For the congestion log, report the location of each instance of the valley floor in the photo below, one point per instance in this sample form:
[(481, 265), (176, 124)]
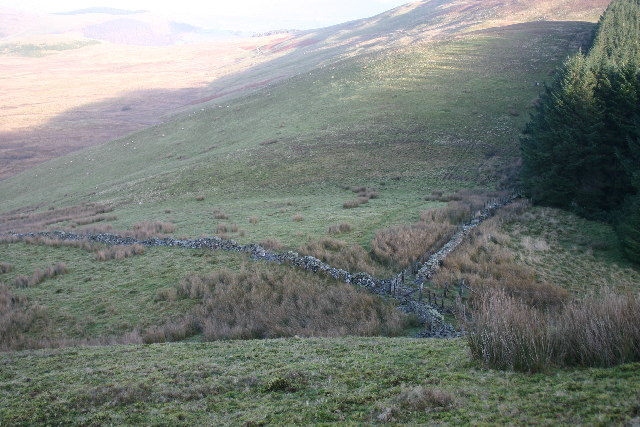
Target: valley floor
[(301, 381)]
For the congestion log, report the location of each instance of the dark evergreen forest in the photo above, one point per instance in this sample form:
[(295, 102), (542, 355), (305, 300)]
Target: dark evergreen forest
[(581, 150)]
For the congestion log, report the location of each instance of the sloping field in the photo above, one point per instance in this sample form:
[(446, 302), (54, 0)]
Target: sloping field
[(421, 101), (67, 99), (431, 116), (279, 164), (302, 381), (60, 98)]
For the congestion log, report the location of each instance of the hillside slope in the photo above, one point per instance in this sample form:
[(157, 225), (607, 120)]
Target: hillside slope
[(295, 381), (421, 101), (409, 113), (95, 92), (44, 117)]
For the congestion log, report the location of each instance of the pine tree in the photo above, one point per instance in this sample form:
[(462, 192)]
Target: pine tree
[(572, 150), (564, 124), (581, 150), (628, 225), (628, 228)]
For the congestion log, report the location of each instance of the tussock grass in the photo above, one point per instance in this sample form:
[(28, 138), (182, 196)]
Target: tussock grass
[(271, 244), (55, 243), (350, 204), (5, 267), (264, 302), (365, 192), (364, 195), (172, 331), (297, 217), (423, 398), (340, 254), (254, 220), (435, 196), (102, 253), (119, 252), (506, 333), (9, 239), (93, 220), (403, 245), (219, 214), (17, 319), (36, 221), (602, 330), (40, 275), (340, 228), (105, 228), (485, 260), (148, 229), (103, 302), (415, 399)]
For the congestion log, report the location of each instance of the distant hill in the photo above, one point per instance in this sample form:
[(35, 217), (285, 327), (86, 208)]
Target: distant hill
[(105, 10), (379, 84), (260, 63), (118, 26), (131, 32), (136, 32)]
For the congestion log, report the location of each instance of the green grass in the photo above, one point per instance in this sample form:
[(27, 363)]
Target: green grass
[(108, 298), (429, 116), (113, 298), (432, 116), (580, 255), (299, 381)]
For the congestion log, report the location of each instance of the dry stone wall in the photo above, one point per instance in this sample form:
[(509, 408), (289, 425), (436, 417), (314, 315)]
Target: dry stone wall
[(395, 287)]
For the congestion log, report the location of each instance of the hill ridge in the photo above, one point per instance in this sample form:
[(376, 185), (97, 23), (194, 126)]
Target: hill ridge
[(105, 10)]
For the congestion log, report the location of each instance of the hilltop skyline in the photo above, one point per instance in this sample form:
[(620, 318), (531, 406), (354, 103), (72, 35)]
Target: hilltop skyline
[(245, 15)]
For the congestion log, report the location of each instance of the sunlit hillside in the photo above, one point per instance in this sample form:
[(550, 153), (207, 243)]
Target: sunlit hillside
[(438, 110), (243, 229)]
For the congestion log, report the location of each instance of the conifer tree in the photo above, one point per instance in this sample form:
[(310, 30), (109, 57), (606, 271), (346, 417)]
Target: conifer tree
[(566, 122), (628, 226), (581, 150), (572, 148)]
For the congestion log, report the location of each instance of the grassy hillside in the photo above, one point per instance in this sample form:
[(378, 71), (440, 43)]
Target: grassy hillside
[(295, 381), (422, 101), (432, 116), (120, 89), (94, 93), (417, 111)]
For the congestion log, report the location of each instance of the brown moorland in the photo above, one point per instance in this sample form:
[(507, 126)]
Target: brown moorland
[(70, 99), (76, 98)]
